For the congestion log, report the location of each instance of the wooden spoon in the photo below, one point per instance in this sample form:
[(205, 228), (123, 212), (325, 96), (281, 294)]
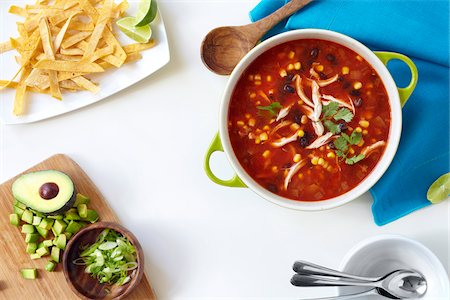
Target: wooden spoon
[(223, 47)]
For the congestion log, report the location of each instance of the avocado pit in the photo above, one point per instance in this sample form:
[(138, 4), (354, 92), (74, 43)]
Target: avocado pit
[(48, 190)]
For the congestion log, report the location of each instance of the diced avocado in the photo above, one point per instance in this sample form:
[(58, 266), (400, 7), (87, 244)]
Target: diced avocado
[(68, 235), (43, 232), (27, 228), (19, 204), (55, 254), (56, 217), (35, 256), (37, 220), (19, 211), (31, 248), (83, 223), (49, 192), (36, 213), (92, 216), (61, 241), (82, 210), (47, 243), (50, 266), (46, 223), (81, 199), (27, 216), (28, 273), (31, 237), (42, 251), (72, 215), (73, 227), (14, 219), (59, 226)]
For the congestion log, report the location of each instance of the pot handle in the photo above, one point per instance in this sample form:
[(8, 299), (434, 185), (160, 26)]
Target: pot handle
[(405, 92), (216, 145)]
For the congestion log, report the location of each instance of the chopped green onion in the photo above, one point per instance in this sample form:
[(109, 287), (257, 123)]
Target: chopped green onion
[(109, 259)]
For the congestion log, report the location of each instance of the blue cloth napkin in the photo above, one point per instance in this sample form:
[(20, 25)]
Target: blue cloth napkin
[(420, 30)]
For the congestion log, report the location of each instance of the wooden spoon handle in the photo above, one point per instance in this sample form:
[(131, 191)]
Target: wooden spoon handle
[(274, 18)]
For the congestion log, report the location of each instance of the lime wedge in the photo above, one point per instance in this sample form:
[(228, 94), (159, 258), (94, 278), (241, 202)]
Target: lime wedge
[(147, 10), (440, 189), (139, 34)]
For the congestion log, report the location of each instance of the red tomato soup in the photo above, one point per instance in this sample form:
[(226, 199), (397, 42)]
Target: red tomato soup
[(309, 119)]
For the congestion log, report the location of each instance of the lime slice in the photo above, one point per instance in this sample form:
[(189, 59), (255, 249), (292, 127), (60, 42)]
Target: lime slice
[(146, 12), (440, 189), (139, 34)]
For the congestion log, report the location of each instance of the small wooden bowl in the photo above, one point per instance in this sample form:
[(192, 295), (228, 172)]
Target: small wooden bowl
[(81, 283)]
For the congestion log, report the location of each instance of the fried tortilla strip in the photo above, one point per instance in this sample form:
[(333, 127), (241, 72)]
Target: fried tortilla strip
[(101, 53), (86, 84), (21, 89), (138, 47), (75, 25), (71, 51), (22, 31), (5, 47), (64, 15), (76, 38), (70, 85), (68, 66), (14, 84), (86, 5), (69, 57), (49, 53), (49, 10), (38, 78), (31, 23), (130, 58), (59, 38), (120, 9), (105, 15), (108, 36), (16, 10), (119, 53)]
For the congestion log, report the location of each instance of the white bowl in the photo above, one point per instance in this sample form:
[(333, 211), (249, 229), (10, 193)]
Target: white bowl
[(379, 255), (395, 100)]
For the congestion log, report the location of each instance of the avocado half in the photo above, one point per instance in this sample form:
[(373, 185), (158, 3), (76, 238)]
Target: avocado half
[(49, 192)]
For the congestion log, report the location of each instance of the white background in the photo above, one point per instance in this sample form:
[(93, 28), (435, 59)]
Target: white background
[(144, 149)]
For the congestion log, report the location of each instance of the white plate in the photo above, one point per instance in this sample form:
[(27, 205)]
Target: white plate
[(41, 106)]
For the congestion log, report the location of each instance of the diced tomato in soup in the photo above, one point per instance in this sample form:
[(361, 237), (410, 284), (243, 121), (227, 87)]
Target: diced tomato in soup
[(309, 119)]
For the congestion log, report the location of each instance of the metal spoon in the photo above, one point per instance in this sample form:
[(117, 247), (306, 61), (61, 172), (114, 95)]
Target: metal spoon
[(372, 292), (223, 47), (400, 283)]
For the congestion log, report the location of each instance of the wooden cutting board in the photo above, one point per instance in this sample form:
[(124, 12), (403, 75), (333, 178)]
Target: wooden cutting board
[(48, 285)]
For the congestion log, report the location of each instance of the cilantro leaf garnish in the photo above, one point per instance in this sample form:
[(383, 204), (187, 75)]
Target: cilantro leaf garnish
[(332, 127), (343, 114), (355, 138), (330, 109), (273, 108), (341, 144), (354, 159)]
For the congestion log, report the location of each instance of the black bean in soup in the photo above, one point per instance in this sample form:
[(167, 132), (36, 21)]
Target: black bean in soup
[(272, 187), (304, 141), (342, 127), (355, 93), (314, 52), (331, 58), (297, 116), (288, 88), (322, 75)]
